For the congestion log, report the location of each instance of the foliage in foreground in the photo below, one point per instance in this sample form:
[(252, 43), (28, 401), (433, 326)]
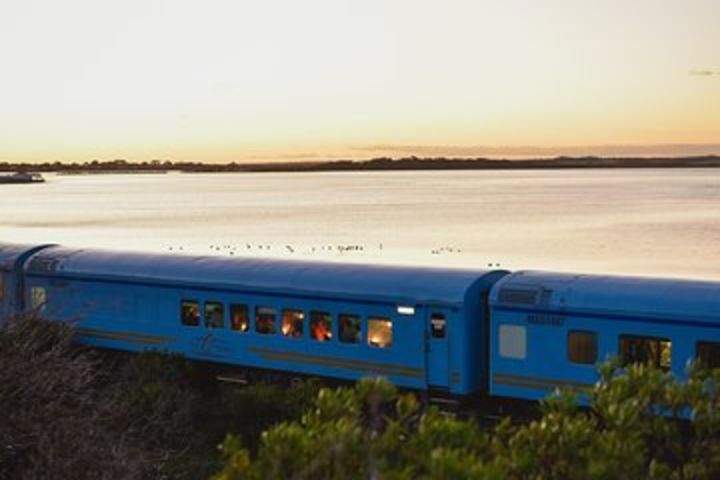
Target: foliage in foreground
[(72, 412), (630, 431)]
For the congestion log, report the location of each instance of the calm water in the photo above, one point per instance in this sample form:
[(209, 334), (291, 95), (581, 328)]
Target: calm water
[(650, 222)]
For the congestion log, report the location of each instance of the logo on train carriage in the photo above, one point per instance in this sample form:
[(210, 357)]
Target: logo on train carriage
[(211, 345)]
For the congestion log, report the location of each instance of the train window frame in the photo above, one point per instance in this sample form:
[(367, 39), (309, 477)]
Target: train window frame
[(582, 358), (289, 319), (214, 324), (665, 365), (260, 323), (357, 319), (317, 316), (374, 338), (512, 341), (185, 318), (233, 324), (438, 325), (712, 347)]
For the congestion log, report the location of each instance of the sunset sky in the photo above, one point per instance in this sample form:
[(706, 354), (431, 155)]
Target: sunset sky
[(250, 80)]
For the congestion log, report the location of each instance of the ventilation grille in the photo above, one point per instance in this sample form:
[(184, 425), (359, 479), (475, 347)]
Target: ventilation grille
[(519, 296)]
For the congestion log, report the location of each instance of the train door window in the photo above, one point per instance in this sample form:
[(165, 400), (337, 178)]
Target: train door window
[(513, 341), (239, 320), (214, 315), (265, 320), (438, 325), (708, 353), (321, 326), (582, 347), (190, 312), (380, 332), (646, 350), (293, 323), (350, 328), (38, 298)]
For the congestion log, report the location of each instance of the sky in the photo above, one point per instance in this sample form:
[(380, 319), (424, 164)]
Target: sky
[(251, 80)]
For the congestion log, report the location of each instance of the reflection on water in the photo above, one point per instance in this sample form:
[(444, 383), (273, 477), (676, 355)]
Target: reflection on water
[(654, 222)]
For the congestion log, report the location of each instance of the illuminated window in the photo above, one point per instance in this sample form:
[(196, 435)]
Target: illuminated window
[(214, 315), (513, 341), (438, 325), (708, 353), (350, 328), (582, 347), (321, 326), (38, 298), (265, 320), (239, 319), (293, 323), (380, 332), (190, 312), (646, 350)]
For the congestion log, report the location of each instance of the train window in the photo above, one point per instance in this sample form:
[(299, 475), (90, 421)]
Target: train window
[(190, 312), (239, 320), (513, 341), (2, 286), (380, 332), (265, 320), (214, 315), (293, 323), (38, 298), (708, 353), (646, 350), (350, 328), (438, 325), (321, 326), (582, 347)]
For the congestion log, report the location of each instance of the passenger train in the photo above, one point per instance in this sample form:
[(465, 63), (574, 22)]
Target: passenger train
[(453, 332)]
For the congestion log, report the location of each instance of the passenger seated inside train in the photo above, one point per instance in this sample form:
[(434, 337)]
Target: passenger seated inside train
[(214, 315), (239, 319), (292, 323), (265, 320), (320, 326)]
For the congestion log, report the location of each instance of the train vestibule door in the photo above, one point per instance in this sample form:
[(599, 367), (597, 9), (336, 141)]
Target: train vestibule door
[(437, 347)]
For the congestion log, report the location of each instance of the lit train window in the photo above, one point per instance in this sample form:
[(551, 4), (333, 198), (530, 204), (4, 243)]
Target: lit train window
[(190, 312), (513, 341), (214, 315), (582, 347), (321, 326), (265, 320), (438, 325), (293, 323), (239, 319), (350, 328), (380, 332), (708, 353), (646, 350)]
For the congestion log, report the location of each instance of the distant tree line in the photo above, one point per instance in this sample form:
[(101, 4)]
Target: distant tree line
[(383, 163)]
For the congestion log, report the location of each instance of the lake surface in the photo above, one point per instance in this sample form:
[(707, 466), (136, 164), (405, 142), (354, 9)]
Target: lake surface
[(645, 222)]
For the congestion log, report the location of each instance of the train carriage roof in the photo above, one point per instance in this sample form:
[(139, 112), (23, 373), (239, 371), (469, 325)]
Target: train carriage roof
[(10, 253), (319, 279), (610, 295)]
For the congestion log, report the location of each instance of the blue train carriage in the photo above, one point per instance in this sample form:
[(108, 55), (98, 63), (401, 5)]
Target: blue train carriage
[(419, 327), (12, 257), (550, 330)]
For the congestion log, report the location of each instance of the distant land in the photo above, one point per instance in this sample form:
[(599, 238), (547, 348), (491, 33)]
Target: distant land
[(375, 164)]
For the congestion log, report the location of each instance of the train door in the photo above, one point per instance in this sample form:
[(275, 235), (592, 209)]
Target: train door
[(437, 347)]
